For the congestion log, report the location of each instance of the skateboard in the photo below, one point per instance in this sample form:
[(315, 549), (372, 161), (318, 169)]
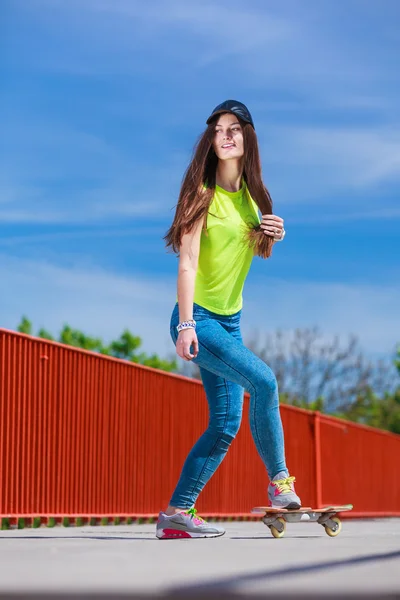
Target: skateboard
[(276, 518)]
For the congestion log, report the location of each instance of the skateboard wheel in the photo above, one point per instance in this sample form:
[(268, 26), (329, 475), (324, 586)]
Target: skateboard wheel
[(274, 530), (334, 532)]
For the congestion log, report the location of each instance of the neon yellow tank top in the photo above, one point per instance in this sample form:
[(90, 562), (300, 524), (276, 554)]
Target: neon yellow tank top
[(225, 256)]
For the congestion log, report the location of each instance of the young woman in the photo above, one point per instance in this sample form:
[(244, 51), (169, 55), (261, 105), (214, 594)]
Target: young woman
[(217, 231)]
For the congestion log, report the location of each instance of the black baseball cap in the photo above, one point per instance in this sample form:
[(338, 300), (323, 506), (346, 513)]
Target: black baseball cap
[(234, 107)]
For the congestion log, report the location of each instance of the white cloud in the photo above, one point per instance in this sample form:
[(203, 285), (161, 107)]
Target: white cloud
[(52, 173), (363, 156), (379, 214), (294, 50), (96, 206), (103, 303), (219, 23), (81, 211), (76, 234), (368, 311), (98, 302), (109, 35), (48, 149), (326, 160), (279, 44)]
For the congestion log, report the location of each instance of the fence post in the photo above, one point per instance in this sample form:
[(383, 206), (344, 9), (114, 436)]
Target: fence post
[(317, 455)]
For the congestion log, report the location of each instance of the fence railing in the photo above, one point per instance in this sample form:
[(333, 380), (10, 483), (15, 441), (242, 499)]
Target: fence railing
[(83, 435)]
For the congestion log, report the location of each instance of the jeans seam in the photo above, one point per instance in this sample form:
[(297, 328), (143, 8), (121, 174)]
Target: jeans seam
[(215, 445), (225, 363), (254, 391), (256, 430)]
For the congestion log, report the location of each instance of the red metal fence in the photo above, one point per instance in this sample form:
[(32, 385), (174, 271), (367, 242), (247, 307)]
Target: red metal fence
[(84, 434)]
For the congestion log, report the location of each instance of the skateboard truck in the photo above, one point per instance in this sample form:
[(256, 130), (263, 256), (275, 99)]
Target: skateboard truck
[(326, 521)]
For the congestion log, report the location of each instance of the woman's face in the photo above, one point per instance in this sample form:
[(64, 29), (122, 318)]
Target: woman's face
[(228, 138)]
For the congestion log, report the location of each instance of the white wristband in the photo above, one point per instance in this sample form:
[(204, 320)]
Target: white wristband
[(191, 324)]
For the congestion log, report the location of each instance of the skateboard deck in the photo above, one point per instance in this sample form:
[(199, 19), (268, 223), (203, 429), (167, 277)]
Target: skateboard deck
[(276, 518)]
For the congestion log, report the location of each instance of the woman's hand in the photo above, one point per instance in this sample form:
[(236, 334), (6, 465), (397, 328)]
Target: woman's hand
[(187, 338), (273, 226)]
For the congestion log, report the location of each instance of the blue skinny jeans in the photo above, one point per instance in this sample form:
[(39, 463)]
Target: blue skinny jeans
[(228, 368)]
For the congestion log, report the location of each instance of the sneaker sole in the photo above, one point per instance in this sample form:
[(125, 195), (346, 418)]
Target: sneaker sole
[(177, 534), (291, 506)]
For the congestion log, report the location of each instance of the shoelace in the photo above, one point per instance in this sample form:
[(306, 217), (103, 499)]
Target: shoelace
[(285, 485), (193, 513)]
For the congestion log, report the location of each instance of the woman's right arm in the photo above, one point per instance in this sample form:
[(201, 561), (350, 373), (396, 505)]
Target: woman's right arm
[(188, 262)]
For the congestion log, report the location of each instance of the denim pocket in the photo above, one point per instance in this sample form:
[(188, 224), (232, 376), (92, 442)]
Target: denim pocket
[(200, 313)]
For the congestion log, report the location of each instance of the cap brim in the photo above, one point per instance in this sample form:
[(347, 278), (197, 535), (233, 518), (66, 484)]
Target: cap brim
[(218, 112)]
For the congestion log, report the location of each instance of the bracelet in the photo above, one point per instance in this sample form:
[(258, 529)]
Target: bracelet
[(191, 324)]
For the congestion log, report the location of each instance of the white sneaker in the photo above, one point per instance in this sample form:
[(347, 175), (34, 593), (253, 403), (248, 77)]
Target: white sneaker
[(185, 524), (281, 492)]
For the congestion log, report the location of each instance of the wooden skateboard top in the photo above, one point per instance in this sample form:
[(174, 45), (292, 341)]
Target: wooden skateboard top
[(304, 509)]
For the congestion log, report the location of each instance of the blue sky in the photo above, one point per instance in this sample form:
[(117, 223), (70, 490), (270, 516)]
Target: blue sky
[(101, 104)]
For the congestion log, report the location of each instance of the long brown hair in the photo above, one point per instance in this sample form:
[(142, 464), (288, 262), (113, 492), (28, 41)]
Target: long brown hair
[(195, 199)]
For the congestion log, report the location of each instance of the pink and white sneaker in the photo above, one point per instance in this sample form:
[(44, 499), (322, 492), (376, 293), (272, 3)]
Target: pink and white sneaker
[(281, 492), (185, 524)]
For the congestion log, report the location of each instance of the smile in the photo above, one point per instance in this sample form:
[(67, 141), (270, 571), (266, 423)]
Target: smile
[(228, 146)]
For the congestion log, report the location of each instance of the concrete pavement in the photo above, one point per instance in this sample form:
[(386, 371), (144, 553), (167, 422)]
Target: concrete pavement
[(118, 561)]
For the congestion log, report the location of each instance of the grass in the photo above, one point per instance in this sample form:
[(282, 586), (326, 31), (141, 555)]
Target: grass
[(78, 521)]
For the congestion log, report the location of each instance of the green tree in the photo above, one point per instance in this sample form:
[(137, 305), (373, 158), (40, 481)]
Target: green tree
[(383, 413), (397, 360), (25, 326), (42, 333), (126, 347), (391, 412), (378, 411), (75, 337)]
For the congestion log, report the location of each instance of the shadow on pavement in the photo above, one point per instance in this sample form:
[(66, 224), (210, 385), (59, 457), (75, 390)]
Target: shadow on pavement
[(263, 538), (227, 584), (77, 537), (205, 596), (224, 588)]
